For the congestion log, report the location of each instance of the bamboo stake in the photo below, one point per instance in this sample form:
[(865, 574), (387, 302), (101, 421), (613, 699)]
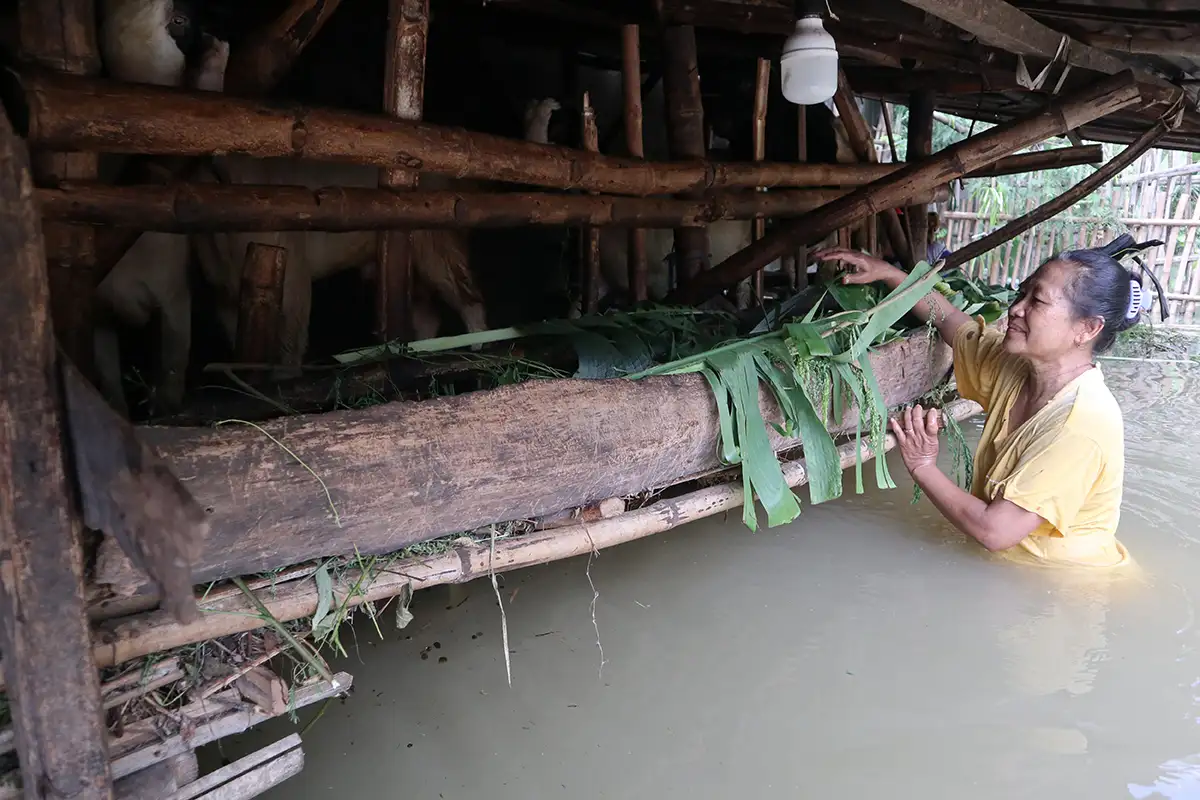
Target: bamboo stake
[(1189, 243), (217, 207), (591, 234), (864, 147), (801, 282), (631, 78), (1104, 97), (685, 134), (467, 561), (1169, 237), (762, 81), (403, 98), (88, 114), (1064, 201)]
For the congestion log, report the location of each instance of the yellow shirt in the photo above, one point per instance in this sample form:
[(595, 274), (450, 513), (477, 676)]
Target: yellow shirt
[(1066, 463)]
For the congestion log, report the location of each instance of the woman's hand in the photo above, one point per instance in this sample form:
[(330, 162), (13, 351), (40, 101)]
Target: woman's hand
[(916, 431), (863, 268)]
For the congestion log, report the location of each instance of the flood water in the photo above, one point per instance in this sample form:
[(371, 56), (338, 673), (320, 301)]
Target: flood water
[(867, 650)]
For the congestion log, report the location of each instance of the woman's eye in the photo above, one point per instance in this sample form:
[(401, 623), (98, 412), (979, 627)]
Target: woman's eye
[(178, 20)]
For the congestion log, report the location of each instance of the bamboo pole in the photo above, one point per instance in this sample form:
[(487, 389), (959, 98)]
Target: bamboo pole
[(591, 234), (152, 633), (1188, 47), (685, 135), (403, 98), (920, 145), (762, 82), (863, 144), (217, 207), (54, 689), (1104, 97), (1064, 201), (89, 114), (260, 303), (61, 35), (631, 79)]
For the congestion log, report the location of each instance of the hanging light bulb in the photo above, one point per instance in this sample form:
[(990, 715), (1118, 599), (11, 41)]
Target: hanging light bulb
[(809, 63)]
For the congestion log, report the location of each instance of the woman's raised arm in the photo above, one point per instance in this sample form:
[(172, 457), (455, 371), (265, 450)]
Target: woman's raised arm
[(868, 269)]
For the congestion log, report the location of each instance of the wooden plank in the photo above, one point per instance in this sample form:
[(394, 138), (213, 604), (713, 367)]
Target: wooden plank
[(217, 777), (53, 686), (130, 493), (258, 780), (260, 304)]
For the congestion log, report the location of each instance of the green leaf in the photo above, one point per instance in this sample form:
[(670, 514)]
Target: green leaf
[(898, 303)]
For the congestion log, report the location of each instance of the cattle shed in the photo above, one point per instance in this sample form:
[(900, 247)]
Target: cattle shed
[(259, 515)]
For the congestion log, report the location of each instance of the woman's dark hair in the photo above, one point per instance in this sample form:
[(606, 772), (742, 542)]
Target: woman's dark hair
[(1103, 287)]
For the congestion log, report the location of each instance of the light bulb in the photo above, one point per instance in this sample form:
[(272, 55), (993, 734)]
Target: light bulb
[(809, 64)]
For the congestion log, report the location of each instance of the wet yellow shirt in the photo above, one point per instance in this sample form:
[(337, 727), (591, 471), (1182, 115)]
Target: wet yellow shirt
[(1066, 463)]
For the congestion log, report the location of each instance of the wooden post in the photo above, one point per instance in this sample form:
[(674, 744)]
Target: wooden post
[(403, 98), (762, 81), (591, 235), (631, 79), (920, 145), (1102, 98), (53, 685), (1058, 204), (863, 144), (685, 134), (61, 35), (260, 304), (801, 280)]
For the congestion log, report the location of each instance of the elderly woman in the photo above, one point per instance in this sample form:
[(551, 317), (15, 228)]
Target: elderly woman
[(1050, 463)]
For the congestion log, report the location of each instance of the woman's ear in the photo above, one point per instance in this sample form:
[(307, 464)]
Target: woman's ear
[(1088, 329)]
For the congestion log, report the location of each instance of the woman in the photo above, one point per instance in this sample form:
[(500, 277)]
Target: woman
[(1050, 463)]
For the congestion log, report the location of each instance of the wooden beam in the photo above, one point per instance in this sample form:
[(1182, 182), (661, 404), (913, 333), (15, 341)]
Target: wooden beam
[(403, 98), (685, 135), (53, 686), (920, 145), (1188, 47), (631, 82), (1109, 95), (61, 35), (590, 239), (511, 453), (762, 85), (1057, 204), (88, 114), (190, 208)]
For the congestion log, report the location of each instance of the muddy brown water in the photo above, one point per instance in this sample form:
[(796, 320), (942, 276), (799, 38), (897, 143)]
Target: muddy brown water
[(865, 650)]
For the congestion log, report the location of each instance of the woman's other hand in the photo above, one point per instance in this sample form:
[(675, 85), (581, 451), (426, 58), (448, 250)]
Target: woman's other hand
[(916, 432), (863, 268)]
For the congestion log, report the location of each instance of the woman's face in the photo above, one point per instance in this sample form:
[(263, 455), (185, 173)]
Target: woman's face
[(1042, 324)]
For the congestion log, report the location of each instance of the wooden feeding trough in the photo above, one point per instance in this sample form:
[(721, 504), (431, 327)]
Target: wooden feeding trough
[(178, 520)]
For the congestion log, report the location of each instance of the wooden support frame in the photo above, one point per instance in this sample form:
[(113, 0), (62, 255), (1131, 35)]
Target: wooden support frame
[(53, 686), (403, 98), (260, 304), (762, 83), (1102, 98), (631, 83), (187, 208), (88, 114), (685, 135), (920, 145), (1058, 204)]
